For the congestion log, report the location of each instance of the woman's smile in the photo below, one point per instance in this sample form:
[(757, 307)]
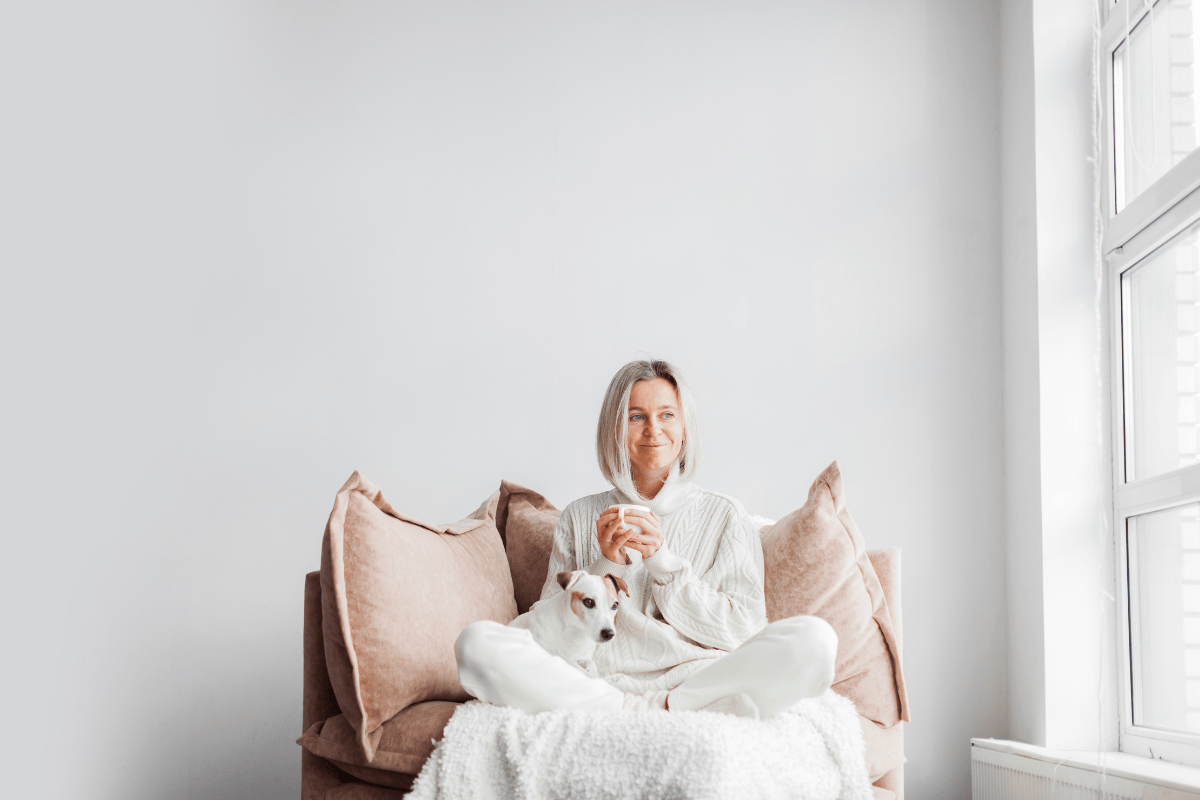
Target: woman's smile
[(656, 433)]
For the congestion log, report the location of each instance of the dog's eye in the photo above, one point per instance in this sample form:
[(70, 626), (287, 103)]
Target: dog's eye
[(589, 602), (614, 608)]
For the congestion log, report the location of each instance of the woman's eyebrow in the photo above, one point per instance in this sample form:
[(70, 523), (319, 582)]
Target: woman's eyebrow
[(639, 408)]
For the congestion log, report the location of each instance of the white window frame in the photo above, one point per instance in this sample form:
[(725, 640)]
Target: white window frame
[(1165, 208)]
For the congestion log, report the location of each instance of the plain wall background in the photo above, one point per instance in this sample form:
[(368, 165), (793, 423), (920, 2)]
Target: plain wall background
[(1061, 584), (251, 247)]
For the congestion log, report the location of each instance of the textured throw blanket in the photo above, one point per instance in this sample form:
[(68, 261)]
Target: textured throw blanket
[(812, 752)]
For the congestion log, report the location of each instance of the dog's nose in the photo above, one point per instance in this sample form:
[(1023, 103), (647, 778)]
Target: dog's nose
[(607, 634)]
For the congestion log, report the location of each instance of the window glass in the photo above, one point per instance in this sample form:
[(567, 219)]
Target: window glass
[(1154, 81), (1161, 355), (1164, 560)]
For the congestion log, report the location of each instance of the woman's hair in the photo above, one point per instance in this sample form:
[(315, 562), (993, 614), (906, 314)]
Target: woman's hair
[(613, 430)]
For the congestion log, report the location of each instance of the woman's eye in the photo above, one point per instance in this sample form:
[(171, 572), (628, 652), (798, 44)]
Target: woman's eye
[(589, 602), (668, 415), (636, 418)]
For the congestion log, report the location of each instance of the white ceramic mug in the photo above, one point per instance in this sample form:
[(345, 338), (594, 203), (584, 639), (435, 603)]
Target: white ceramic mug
[(622, 508)]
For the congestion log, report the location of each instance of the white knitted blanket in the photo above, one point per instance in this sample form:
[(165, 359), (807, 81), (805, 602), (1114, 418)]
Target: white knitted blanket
[(812, 752)]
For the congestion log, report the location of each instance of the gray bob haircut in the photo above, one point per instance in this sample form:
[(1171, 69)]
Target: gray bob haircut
[(613, 430)]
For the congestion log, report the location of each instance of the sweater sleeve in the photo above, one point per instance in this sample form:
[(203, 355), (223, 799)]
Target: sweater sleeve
[(725, 605)]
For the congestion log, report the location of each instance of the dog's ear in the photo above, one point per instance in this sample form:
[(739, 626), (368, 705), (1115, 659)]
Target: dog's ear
[(565, 579), (617, 584)]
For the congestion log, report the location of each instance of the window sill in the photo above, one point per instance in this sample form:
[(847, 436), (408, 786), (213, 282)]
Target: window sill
[(1165, 774)]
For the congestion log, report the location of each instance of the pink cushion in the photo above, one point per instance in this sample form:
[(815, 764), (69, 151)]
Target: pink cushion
[(527, 522), (363, 791), (395, 594), (405, 741), (816, 563), (885, 747)]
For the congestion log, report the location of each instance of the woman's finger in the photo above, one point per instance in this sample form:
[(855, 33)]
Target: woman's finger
[(614, 528), (624, 538), (606, 524), (633, 515), (637, 518), (649, 531)]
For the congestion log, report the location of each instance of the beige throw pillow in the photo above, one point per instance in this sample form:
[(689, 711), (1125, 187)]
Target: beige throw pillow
[(527, 522), (405, 740), (395, 594), (816, 563)]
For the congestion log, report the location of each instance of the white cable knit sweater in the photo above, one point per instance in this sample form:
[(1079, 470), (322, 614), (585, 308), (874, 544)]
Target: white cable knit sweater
[(698, 597)]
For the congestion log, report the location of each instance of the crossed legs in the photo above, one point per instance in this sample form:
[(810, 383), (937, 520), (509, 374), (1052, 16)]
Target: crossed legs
[(785, 662), (505, 666), (779, 666)]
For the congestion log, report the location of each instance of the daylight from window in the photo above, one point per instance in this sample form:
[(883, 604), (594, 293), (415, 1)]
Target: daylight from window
[(1156, 99), (1155, 285)]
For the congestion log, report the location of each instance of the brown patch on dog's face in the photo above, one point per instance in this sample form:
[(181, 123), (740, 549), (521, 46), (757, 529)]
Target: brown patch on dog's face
[(577, 604), (614, 584)]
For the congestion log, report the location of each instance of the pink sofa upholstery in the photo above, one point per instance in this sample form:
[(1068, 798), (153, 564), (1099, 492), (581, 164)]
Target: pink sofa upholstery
[(323, 780)]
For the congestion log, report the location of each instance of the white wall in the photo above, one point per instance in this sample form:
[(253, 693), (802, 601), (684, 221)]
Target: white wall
[(249, 248), (1060, 602), (1022, 396)]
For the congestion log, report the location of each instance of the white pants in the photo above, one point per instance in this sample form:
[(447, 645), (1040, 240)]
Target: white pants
[(785, 662)]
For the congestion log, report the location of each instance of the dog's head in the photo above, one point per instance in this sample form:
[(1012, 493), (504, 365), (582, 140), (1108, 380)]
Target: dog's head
[(594, 600)]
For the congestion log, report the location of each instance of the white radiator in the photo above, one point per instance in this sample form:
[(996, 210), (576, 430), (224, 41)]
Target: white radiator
[(1003, 770)]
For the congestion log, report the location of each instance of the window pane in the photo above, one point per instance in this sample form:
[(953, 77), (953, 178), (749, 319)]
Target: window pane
[(1161, 352), (1155, 96), (1164, 551)]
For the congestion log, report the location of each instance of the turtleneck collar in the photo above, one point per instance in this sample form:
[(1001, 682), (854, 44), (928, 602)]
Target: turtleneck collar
[(669, 498)]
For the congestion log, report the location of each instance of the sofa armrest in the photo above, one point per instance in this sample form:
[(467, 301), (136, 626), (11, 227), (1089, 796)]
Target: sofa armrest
[(317, 776), (319, 701)]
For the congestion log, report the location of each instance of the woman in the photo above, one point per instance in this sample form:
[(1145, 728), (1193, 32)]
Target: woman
[(693, 633)]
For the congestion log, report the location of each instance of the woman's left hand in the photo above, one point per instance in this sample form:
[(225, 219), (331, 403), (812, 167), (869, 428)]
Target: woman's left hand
[(651, 538)]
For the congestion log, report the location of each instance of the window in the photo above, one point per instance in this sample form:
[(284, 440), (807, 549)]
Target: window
[(1150, 78)]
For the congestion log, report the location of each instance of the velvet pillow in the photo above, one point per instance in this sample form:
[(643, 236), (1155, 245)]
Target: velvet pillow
[(405, 742), (816, 563), (527, 522), (395, 594)]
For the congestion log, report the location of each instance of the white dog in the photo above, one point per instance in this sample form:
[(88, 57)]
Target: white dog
[(571, 623)]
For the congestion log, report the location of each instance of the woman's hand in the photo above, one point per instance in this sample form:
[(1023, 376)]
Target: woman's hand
[(615, 537), (650, 539)]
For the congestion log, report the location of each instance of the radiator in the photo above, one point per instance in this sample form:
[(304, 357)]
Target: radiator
[(1013, 771)]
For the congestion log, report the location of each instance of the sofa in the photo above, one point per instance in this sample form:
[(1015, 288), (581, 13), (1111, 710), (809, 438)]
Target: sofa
[(379, 678)]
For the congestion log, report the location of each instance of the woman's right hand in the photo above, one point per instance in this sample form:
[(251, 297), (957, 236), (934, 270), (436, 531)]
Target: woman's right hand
[(612, 536)]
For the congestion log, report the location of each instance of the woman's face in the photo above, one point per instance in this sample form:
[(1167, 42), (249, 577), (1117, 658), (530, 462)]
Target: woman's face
[(655, 427)]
